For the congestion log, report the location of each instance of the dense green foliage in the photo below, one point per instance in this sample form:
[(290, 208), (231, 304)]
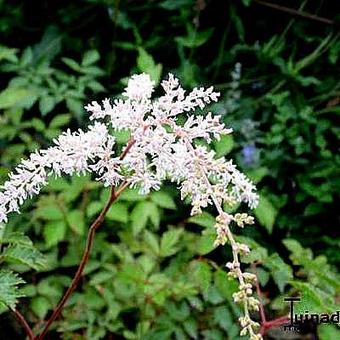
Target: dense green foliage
[(154, 273)]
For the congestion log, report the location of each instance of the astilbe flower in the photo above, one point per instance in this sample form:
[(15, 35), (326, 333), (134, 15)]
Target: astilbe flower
[(160, 148)]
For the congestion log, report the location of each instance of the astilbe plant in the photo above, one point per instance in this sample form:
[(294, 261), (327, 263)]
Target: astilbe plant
[(160, 148)]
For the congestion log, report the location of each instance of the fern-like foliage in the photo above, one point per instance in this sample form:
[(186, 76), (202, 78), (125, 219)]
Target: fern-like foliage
[(9, 291), (16, 248)]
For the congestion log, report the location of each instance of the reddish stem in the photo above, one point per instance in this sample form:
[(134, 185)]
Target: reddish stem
[(266, 325), (24, 324), (89, 242), (262, 312)]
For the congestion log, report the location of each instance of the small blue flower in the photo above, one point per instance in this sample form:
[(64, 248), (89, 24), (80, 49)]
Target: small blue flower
[(249, 153)]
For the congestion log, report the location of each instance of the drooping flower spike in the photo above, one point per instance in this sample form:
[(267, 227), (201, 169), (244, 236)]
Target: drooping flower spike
[(160, 148)]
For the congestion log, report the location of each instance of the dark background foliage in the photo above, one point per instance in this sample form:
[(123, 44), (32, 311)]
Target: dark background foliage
[(278, 73)]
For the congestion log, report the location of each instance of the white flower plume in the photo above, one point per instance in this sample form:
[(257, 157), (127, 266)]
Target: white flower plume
[(162, 147), (160, 150)]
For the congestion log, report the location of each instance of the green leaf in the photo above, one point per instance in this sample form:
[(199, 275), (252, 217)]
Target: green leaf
[(54, 232), (75, 218), (50, 44), (141, 213), (163, 200), (60, 120), (95, 86), (27, 255), (202, 275), (40, 306), (94, 208), (72, 64), (312, 299), (194, 38), (146, 63), (131, 195), (327, 332), (266, 213), (205, 243), (8, 54), (151, 241), (26, 57), (299, 255), (16, 97), (154, 215), (171, 5), (50, 213), (204, 220), (225, 286), (169, 242), (223, 318), (90, 57), (46, 104), (224, 145), (75, 106), (191, 327), (280, 271), (139, 217), (118, 212), (257, 174), (9, 292), (16, 238)]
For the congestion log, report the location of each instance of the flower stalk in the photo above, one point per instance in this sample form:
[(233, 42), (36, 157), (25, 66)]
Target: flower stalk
[(162, 147)]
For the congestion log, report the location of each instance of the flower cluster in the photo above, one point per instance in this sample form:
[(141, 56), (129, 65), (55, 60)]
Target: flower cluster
[(160, 148)]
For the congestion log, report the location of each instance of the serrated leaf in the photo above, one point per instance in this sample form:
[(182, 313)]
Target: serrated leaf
[(163, 200), (60, 120), (194, 38), (151, 241), (16, 238), (224, 145), (154, 215), (72, 64), (76, 221), (26, 57), (146, 63), (131, 195), (54, 232), (225, 286), (95, 86), (191, 327), (118, 212), (15, 96), (257, 174), (90, 57), (139, 217), (46, 104), (266, 213), (328, 332), (312, 299), (202, 275), (8, 54), (205, 243), (280, 271), (75, 106), (141, 213), (50, 213), (299, 254), (50, 44), (9, 291), (94, 208), (169, 242), (204, 220), (40, 306), (27, 255)]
